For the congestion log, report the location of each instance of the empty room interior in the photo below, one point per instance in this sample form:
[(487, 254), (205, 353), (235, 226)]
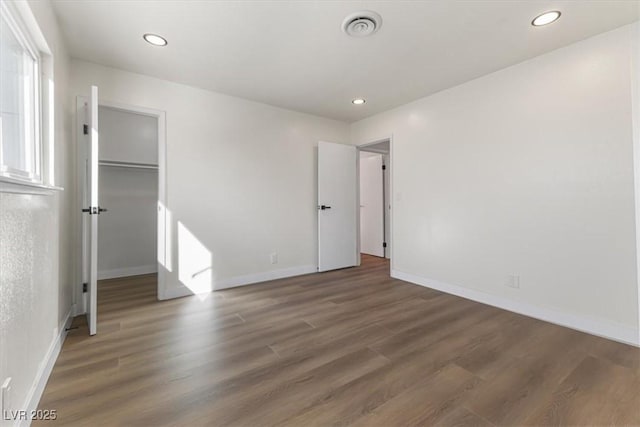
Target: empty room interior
[(319, 213)]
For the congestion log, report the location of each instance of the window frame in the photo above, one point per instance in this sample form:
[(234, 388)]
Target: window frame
[(14, 180)]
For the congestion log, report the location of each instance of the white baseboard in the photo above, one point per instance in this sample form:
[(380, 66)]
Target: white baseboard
[(174, 292), (249, 279), (44, 371), (598, 327), (128, 271)]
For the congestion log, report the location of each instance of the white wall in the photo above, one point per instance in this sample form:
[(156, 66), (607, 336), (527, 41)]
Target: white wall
[(527, 171), (128, 137), (128, 231), (371, 204), (37, 268), (241, 178)]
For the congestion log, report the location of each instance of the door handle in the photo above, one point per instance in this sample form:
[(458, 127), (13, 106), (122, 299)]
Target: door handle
[(323, 207), (94, 211)]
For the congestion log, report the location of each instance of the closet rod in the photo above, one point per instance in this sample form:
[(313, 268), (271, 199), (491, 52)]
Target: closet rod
[(117, 164)]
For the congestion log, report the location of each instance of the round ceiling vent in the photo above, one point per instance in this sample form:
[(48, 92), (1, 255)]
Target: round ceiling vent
[(362, 24)]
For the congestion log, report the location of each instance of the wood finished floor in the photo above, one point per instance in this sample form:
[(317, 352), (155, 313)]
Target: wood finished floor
[(350, 347)]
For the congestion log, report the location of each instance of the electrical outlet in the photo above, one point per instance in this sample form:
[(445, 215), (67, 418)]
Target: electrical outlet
[(274, 258), (6, 396), (513, 281)]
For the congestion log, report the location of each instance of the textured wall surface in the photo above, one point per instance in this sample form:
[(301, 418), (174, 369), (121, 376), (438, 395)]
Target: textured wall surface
[(29, 298), (37, 261)]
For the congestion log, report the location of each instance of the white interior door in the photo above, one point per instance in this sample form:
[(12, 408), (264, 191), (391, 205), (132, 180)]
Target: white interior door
[(91, 210), (371, 204), (337, 206)]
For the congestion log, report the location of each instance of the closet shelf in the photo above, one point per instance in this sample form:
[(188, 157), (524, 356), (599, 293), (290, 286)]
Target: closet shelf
[(118, 164)]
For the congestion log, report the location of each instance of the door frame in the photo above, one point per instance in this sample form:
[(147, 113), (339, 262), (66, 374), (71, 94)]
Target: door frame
[(388, 199), (163, 237)]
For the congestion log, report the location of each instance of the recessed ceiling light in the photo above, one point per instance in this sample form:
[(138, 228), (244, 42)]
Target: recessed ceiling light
[(155, 39), (546, 18), (358, 101)]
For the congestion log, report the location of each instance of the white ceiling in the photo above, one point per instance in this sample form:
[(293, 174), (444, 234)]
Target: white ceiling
[(293, 54)]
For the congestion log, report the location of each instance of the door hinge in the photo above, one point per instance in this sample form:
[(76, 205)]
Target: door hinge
[(384, 244), (384, 167), (85, 129), (84, 288)]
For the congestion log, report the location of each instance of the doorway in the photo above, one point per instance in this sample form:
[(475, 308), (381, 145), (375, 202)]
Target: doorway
[(121, 180), (374, 176), (343, 206), (128, 188)]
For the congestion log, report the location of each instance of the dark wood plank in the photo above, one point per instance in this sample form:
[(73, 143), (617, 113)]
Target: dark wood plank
[(597, 392), (348, 347)]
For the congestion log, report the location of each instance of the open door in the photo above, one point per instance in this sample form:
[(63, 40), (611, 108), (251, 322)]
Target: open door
[(91, 210), (371, 204), (337, 202)]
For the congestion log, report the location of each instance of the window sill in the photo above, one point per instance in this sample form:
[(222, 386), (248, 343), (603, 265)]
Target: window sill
[(16, 186)]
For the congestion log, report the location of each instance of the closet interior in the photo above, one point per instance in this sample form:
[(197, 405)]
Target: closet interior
[(128, 186)]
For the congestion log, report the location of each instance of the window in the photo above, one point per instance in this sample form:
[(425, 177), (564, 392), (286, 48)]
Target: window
[(20, 101)]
